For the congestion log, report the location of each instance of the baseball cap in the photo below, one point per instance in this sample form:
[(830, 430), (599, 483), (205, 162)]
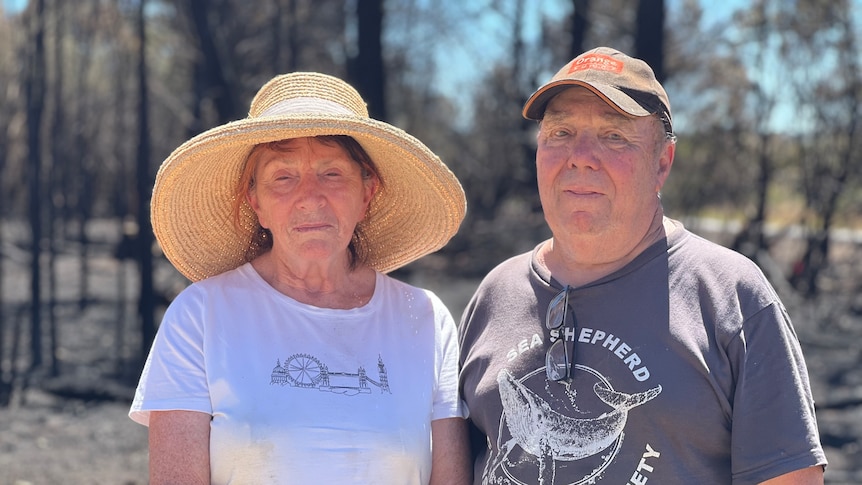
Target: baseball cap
[(626, 83)]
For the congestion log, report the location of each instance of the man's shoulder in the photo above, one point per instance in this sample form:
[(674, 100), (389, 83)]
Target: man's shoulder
[(690, 243), (717, 266), (516, 268), (508, 278)]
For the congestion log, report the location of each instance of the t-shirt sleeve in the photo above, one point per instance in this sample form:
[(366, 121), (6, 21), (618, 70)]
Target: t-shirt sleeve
[(174, 375), (447, 399), (774, 425)]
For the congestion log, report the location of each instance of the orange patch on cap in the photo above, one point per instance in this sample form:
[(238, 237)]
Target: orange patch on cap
[(598, 62)]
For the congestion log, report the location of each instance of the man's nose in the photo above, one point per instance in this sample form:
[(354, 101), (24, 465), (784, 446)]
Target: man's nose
[(584, 151)]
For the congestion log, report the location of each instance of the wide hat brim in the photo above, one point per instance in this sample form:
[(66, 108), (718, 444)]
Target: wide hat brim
[(417, 211)]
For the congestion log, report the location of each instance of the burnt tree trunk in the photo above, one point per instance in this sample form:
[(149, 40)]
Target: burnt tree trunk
[(366, 70), (35, 99), (580, 26), (146, 302), (649, 40)]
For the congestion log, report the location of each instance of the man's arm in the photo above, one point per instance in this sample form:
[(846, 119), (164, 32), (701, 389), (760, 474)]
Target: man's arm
[(806, 476)]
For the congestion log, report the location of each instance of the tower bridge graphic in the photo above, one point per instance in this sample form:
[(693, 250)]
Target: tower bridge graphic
[(306, 371)]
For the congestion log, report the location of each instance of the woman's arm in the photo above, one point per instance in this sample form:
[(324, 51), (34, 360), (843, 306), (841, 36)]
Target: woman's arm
[(450, 452), (180, 447)]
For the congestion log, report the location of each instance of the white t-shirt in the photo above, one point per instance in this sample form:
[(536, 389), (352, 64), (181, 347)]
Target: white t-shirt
[(301, 394)]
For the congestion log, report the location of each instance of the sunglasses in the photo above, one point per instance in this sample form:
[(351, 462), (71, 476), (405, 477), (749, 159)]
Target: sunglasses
[(558, 363)]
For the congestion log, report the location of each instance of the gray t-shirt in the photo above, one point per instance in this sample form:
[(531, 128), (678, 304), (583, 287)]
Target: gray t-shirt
[(686, 370)]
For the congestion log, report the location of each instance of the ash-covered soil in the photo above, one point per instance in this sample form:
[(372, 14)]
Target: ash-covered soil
[(46, 439), (73, 428)]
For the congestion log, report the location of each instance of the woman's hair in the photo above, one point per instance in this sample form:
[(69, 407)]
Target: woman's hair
[(261, 238)]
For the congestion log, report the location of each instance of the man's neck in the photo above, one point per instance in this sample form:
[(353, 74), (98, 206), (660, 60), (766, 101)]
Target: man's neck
[(565, 265)]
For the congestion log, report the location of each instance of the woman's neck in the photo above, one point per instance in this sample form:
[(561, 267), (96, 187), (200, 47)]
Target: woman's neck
[(320, 285)]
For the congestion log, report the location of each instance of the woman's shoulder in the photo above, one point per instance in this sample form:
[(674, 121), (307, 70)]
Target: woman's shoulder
[(229, 282), (396, 286), (391, 287)]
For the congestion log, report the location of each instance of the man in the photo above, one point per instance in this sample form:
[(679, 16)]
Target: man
[(625, 349)]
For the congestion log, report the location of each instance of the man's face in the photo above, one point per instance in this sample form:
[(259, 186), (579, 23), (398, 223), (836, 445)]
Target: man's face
[(599, 173)]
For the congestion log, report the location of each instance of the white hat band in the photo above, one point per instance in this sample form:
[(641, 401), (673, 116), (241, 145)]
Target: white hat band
[(306, 105)]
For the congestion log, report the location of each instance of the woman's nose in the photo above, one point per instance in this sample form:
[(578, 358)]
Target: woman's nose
[(309, 192)]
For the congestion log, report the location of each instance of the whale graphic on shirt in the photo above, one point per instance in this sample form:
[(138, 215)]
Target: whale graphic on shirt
[(549, 435)]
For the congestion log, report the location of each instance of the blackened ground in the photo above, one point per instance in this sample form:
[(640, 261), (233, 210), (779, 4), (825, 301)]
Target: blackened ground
[(74, 429)]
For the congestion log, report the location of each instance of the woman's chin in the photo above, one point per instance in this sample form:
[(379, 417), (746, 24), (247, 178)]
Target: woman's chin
[(317, 250)]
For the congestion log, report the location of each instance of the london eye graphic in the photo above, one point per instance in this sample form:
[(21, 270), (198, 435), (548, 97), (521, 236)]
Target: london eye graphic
[(303, 370), (307, 371)]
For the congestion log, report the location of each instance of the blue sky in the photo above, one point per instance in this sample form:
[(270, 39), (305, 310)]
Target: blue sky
[(13, 5), (717, 8), (457, 59)]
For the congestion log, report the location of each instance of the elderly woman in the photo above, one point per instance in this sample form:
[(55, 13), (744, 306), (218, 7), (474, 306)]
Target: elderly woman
[(293, 358)]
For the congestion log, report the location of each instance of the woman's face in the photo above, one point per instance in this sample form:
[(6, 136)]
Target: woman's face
[(310, 195)]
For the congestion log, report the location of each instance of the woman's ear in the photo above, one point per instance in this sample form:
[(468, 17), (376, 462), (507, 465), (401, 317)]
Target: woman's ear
[(251, 198), (371, 186)]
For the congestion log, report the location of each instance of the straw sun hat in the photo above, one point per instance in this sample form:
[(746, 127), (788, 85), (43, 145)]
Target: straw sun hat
[(417, 210)]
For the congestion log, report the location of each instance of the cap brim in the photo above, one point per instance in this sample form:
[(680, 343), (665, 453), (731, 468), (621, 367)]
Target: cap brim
[(534, 108)]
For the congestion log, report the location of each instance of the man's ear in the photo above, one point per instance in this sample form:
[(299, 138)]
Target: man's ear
[(665, 162)]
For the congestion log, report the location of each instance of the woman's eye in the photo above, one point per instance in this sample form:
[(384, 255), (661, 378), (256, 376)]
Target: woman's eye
[(283, 177)]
